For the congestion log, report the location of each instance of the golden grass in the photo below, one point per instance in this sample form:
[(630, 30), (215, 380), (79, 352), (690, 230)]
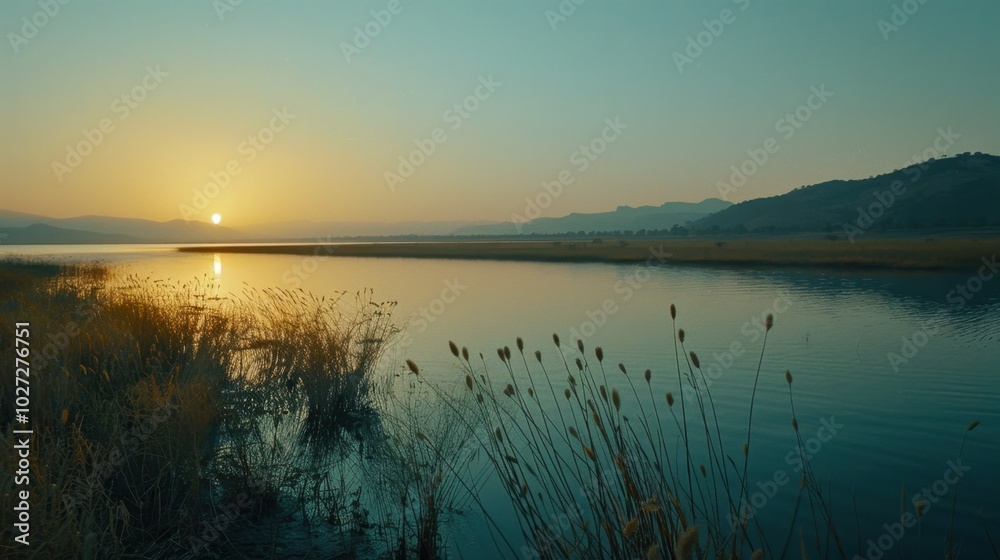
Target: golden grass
[(903, 253)]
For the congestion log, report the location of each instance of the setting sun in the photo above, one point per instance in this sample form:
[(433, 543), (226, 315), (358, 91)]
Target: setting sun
[(216, 218)]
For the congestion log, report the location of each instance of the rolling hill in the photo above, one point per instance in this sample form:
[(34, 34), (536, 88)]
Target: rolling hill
[(959, 191)]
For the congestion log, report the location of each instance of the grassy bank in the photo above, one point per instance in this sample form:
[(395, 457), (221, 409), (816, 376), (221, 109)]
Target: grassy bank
[(901, 253), (168, 420)]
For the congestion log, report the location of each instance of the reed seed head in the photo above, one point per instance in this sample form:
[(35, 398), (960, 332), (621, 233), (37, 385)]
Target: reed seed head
[(630, 528), (972, 426), (468, 381), (579, 364), (704, 472), (413, 367), (621, 366), (686, 543), (499, 435), (509, 390), (795, 424), (600, 353), (746, 449), (670, 399), (788, 376), (500, 354), (479, 397), (538, 355), (768, 322), (465, 353), (567, 393), (571, 380), (520, 345), (421, 436), (673, 311), (589, 452), (512, 459), (616, 399), (555, 338), (453, 347), (695, 360), (531, 392), (579, 345), (573, 432), (648, 375), (603, 392), (680, 335), (506, 352)]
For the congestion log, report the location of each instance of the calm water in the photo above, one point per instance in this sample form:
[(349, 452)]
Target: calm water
[(898, 419)]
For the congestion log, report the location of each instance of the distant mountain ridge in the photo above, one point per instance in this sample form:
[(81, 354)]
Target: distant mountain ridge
[(18, 225), (959, 191), (623, 218)]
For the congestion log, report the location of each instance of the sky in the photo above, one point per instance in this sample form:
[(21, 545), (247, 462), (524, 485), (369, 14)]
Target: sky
[(424, 110)]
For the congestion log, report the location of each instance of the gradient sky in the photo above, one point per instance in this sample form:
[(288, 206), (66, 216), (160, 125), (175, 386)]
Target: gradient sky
[(353, 120)]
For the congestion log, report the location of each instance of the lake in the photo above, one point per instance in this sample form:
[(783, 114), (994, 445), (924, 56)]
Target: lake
[(889, 368)]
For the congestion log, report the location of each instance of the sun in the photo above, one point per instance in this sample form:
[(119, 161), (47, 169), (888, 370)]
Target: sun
[(216, 218)]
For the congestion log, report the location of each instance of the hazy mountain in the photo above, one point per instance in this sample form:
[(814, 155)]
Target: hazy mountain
[(960, 191), (135, 230), (624, 218), (38, 234), (310, 230)]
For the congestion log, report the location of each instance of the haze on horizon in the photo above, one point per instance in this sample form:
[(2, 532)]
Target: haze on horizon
[(302, 118)]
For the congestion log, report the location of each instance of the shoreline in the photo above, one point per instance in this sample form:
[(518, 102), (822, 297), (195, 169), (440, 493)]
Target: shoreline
[(890, 253)]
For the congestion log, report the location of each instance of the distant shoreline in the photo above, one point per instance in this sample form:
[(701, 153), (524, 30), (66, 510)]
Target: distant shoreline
[(891, 253)]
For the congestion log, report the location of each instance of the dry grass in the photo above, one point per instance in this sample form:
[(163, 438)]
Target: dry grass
[(903, 253), (152, 401)]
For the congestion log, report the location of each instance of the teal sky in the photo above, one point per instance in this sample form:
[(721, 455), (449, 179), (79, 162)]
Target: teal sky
[(223, 74)]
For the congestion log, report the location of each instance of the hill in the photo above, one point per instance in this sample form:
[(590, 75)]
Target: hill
[(41, 234), (960, 191)]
